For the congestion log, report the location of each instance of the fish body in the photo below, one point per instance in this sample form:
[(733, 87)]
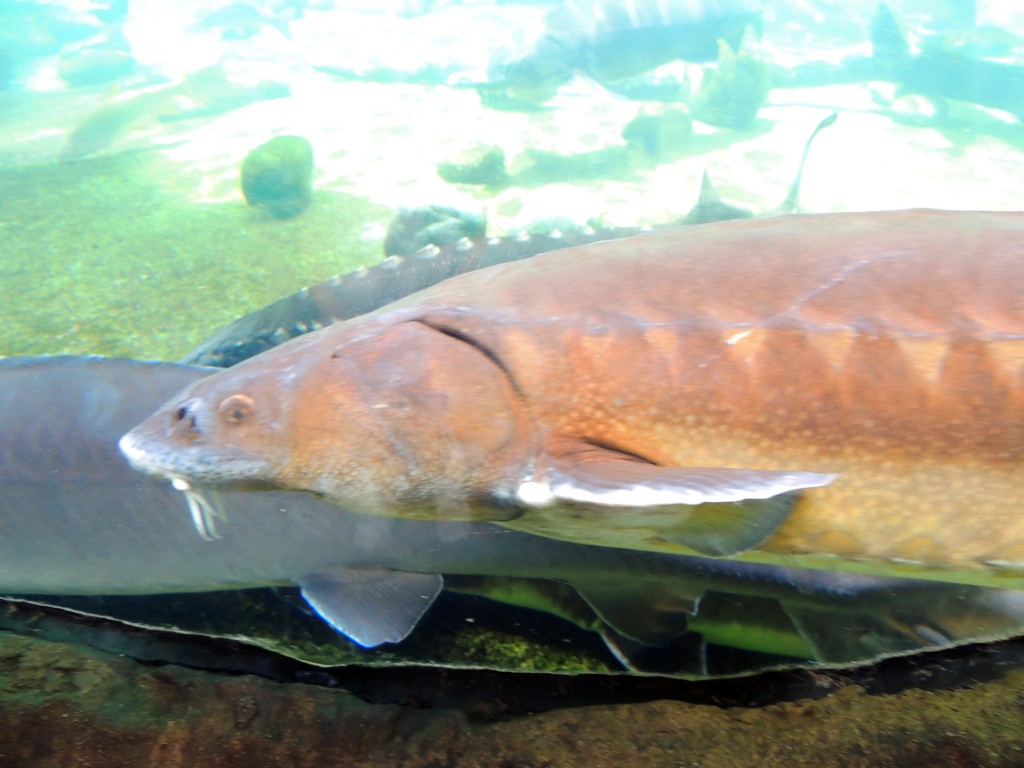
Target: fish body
[(117, 118), (611, 41), (76, 519), (945, 67), (209, 89), (839, 390)]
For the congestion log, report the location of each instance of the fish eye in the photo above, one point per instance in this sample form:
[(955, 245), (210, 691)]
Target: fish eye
[(236, 409)]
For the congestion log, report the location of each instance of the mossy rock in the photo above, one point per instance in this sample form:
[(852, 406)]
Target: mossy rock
[(660, 132), (481, 164), (278, 176)]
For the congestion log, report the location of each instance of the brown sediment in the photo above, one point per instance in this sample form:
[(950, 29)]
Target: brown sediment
[(67, 706)]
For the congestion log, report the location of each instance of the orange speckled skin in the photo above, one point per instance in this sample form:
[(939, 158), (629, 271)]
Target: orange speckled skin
[(886, 347)]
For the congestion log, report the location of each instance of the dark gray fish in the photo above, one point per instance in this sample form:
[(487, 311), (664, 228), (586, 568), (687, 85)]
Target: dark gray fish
[(355, 293), (76, 519)]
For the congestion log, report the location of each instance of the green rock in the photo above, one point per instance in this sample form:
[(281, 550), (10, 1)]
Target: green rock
[(278, 176)]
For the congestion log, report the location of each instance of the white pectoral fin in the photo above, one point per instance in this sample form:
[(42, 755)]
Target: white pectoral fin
[(371, 605), (713, 511)]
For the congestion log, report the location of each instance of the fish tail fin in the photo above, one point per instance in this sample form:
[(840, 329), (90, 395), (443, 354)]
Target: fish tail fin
[(791, 202)]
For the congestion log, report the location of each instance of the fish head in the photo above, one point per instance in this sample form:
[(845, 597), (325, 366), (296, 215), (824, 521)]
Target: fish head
[(530, 74), (394, 419), (222, 432)]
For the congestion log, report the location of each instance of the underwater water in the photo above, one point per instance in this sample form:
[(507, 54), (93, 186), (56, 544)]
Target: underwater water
[(172, 174)]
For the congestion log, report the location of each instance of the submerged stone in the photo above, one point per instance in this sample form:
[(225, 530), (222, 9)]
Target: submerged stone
[(278, 176), (660, 132), (482, 165)]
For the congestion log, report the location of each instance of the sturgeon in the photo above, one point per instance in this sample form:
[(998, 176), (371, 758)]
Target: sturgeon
[(76, 519), (836, 390)]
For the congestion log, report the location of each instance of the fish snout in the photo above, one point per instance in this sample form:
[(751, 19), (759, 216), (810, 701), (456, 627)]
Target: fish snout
[(195, 417), (186, 442), (152, 445), (185, 421)]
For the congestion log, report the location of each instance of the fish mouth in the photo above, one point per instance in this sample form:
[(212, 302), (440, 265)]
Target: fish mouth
[(204, 506), (194, 465)]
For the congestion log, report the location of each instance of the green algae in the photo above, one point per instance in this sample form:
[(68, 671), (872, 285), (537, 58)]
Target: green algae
[(108, 257), (492, 649), (457, 632)]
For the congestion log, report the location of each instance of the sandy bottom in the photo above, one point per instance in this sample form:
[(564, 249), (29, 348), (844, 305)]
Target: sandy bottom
[(102, 255)]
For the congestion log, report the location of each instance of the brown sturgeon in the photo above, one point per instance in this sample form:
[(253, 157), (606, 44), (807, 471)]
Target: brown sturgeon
[(838, 390)]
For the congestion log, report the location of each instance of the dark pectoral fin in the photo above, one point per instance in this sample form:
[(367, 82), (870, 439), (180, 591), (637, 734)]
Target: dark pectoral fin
[(714, 511), (371, 606), (648, 613), (722, 529)]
